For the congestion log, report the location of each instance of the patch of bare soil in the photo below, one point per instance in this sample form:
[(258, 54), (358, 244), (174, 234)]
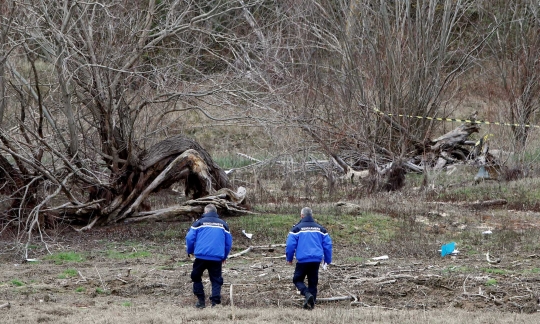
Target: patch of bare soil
[(115, 274)]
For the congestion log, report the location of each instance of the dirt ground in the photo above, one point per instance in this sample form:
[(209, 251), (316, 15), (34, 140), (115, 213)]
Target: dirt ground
[(115, 274)]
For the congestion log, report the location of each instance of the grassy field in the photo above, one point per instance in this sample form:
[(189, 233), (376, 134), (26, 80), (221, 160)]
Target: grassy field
[(139, 273), (167, 313)]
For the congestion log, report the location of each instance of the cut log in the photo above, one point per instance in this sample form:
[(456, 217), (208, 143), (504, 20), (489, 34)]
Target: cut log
[(240, 253), (251, 248), (488, 203), (455, 137)]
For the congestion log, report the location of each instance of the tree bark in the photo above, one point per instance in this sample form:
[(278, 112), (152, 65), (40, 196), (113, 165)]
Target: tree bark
[(175, 159)]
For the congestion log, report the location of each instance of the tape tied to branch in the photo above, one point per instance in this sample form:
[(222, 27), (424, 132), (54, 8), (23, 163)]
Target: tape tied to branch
[(471, 121)]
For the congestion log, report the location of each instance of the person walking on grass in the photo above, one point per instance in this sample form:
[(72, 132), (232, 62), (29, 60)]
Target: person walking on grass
[(312, 244), (210, 240)]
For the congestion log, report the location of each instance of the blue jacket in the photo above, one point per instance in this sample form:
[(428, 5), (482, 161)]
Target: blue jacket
[(310, 241), (209, 238)]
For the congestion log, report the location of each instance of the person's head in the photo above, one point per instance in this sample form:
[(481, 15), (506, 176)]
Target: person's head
[(306, 211), (210, 208)]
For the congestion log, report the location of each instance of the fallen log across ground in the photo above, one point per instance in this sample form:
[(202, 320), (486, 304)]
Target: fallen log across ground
[(251, 248)]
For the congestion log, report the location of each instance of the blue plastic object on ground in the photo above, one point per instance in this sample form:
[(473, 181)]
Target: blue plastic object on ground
[(482, 174), (448, 248)]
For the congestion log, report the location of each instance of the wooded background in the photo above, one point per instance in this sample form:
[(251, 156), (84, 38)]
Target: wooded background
[(97, 97)]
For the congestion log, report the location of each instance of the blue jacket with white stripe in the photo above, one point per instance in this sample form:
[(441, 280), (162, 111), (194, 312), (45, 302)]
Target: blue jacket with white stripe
[(310, 241), (209, 238)]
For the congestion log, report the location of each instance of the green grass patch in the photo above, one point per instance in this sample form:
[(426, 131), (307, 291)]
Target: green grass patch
[(490, 282), (123, 244), (80, 289), (344, 229), (100, 291), (17, 283), (355, 229), (173, 266), (134, 244), (471, 252), (113, 254), (533, 271), (482, 191), (61, 257), (170, 234), (68, 273), (269, 228), (126, 304), (524, 193)]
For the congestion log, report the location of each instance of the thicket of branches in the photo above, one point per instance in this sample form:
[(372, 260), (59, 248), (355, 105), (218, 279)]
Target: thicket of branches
[(91, 90)]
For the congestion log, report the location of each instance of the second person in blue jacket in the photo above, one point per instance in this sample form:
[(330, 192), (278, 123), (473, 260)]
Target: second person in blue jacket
[(312, 244), (210, 240)]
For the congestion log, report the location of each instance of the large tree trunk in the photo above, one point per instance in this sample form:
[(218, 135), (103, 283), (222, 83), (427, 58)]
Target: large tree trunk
[(174, 160), (171, 147)]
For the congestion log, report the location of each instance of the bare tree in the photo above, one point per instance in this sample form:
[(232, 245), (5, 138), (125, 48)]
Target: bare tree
[(100, 86), (400, 58), (515, 48), (98, 92)]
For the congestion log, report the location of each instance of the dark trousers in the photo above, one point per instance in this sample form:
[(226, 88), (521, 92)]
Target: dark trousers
[(214, 272), (311, 270)]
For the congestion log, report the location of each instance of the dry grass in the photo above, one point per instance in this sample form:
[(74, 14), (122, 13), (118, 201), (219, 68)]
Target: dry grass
[(426, 287), (166, 313), (409, 226)]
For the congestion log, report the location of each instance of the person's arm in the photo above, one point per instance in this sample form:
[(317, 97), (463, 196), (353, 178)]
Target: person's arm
[(292, 242), (191, 238), (228, 244), (327, 248)]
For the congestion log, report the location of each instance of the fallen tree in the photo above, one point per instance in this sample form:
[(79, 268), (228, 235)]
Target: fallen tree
[(175, 160), (385, 170)]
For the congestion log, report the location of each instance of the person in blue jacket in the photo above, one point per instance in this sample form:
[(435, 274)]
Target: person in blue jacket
[(210, 240), (312, 244)]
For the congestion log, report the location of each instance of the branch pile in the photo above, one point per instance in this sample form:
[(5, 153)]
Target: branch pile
[(386, 170)]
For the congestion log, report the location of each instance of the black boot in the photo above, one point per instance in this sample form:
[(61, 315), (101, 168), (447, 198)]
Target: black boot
[(200, 303), (215, 301), (309, 302)]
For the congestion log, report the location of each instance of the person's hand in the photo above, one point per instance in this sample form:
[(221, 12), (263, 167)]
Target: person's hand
[(324, 266), (289, 262), (224, 261)]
